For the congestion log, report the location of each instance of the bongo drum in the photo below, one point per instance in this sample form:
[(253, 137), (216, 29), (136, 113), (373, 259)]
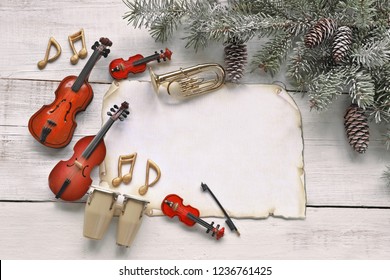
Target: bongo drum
[(99, 211), (130, 219)]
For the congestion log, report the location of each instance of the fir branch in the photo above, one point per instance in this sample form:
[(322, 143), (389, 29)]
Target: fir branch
[(273, 54), (325, 87), (386, 175), (374, 53), (380, 111), (361, 88), (387, 139), (381, 108), (159, 16), (359, 13), (306, 64)]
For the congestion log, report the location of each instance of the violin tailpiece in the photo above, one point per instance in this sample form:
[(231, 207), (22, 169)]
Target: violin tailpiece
[(44, 133)]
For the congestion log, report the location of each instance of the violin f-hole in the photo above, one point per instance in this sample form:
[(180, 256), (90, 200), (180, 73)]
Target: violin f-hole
[(52, 42), (77, 54)]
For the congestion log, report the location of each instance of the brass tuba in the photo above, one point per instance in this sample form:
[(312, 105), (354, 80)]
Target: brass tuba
[(191, 81)]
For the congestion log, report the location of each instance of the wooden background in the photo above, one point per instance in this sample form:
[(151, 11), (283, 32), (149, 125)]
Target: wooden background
[(348, 203)]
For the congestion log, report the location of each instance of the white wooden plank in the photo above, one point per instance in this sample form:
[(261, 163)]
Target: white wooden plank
[(21, 98), (29, 25), (335, 175), (54, 231)]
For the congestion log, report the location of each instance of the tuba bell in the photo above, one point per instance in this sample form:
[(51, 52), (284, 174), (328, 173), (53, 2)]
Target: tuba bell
[(191, 81)]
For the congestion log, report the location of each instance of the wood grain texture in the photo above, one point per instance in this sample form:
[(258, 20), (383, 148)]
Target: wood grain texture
[(335, 174), (54, 231), (349, 205)]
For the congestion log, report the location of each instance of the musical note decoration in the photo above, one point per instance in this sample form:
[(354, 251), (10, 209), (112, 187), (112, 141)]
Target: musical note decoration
[(52, 42), (77, 54), (150, 165), (125, 159), (172, 205)]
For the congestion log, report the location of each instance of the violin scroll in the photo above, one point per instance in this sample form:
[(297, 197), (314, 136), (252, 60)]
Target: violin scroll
[(119, 113), (105, 41)]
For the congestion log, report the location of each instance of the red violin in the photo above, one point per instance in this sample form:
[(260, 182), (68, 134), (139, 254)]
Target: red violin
[(70, 180), (53, 125), (120, 68), (172, 205)]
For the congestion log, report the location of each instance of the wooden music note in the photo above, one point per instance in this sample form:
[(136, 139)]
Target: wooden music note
[(52, 42), (127, 177), (149, 165), (83, 52)]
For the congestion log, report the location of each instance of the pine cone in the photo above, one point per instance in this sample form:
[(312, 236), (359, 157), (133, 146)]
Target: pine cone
[(322, 30), (235, 59), (341, 43), (356, 126)]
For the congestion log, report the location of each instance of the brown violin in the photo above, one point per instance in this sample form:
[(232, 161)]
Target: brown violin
[(53, 125), (172, 205), (120, 68), (70, 180)]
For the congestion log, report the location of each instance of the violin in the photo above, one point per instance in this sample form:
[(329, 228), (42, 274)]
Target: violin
[(53, 125), (70, 180), (120, 68), (172, 205)]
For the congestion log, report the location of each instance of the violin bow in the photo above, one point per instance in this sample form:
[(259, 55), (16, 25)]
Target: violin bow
[(228, 221)]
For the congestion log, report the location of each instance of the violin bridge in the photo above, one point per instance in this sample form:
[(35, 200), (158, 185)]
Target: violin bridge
[(78, 164)]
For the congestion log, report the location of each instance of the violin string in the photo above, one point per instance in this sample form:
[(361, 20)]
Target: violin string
[(90, 148), (95, 57), (195, 219)]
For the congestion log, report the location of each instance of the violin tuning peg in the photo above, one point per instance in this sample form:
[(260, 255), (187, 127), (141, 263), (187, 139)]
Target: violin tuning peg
[(158, 60), (94, 46), (116, 106), (105, 41), (106, 52), (124, 115), (121, 118), (161, 51), (127, 112), (109, 114), (112, 110), (156, 52)]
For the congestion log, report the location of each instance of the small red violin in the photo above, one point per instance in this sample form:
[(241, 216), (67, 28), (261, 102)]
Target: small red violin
[(70, 180), (172, 205), (120, 68)]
